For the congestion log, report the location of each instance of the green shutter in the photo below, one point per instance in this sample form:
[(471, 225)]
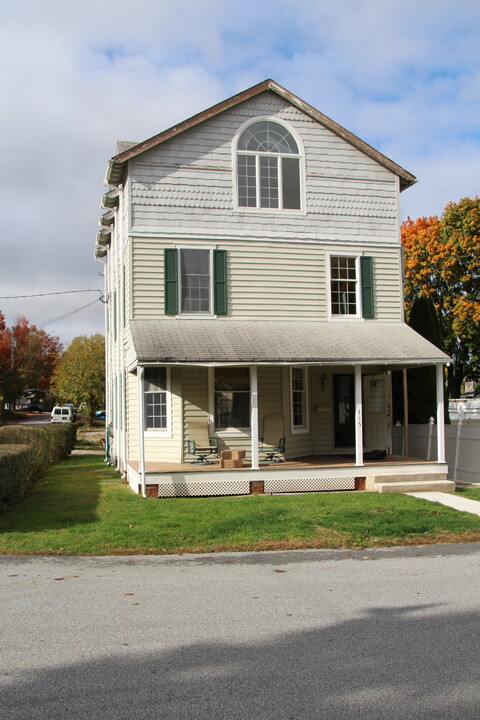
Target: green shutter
[(366, 267), (171, 281), (220, 282)]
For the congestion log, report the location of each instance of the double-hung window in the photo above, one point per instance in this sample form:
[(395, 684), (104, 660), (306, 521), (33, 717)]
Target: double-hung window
[(156, 399), (268, 167), (299, 399), (351, 286), (195, 281)]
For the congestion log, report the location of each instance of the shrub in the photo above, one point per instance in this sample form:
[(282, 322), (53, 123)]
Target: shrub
[(46, 445), (15, 472)]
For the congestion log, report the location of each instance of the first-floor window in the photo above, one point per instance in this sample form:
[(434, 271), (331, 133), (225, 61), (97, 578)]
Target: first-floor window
[(155, 394), (298, 391), (232, 397)]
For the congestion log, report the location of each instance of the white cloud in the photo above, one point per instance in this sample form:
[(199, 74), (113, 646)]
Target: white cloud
[(76, 77)]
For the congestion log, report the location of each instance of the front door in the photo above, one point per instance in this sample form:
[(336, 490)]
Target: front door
[(344, 411), (378, 412)]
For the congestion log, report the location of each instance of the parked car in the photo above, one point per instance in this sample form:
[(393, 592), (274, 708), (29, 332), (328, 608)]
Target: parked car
[(74, 409), (34, 406), (100, 415), (62, 413)]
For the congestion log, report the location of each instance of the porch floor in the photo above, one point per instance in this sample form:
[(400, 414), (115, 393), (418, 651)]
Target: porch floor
[(309, 462)]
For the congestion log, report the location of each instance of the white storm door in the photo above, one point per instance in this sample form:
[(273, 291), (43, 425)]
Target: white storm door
[(378, 412)]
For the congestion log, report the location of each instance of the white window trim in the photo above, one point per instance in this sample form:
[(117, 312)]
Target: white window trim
[(301, 156), (300, 429), (231, 432), (358, 289), (156, 432), (195, 316)]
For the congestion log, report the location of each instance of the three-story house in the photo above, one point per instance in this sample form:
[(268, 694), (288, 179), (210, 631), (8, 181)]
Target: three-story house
[(253, 269)]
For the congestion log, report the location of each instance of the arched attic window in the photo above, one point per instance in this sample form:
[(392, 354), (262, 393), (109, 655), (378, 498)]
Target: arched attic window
[(268, 167)]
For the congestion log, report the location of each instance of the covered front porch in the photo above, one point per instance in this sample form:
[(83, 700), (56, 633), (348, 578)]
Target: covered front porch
[(329, 384)]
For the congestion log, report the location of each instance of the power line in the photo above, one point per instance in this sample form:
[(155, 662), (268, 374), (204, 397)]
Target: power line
[(60, 292), (72, 312)]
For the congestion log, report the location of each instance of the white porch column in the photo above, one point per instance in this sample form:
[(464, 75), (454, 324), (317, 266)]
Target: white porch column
[(440, 414), (141, 428), (358, 416), (254, 415)]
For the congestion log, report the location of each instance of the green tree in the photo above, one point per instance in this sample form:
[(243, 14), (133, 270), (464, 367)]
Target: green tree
[(422, 387), (442, 262), (80, 373)]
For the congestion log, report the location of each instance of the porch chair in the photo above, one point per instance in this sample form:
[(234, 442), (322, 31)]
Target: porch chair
[(199, 443), (272, 443)]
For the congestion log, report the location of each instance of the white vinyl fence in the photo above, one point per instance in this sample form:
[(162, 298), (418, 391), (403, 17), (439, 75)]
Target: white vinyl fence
[(462, 445)]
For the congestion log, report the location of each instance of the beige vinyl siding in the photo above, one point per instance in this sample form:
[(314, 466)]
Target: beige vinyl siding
[(186, 184), (268, 280), (158, 448), (147, 278), (132, 417)]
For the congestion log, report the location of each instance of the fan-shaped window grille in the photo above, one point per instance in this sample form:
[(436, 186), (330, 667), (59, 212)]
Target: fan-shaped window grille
[(268, 167)]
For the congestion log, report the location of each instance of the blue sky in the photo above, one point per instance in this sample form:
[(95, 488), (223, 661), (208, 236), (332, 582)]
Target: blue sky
[(78, 76)]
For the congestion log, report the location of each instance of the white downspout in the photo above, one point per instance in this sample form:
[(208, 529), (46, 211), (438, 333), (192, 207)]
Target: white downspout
[(254, 416), (358, 416), (440, 415), (141, 429)]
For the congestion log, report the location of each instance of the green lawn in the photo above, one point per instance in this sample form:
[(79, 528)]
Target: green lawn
[(472, 493), (81, 507)]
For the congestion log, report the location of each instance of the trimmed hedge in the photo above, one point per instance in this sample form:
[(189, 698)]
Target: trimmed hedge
[(15, 472), (37, 448)]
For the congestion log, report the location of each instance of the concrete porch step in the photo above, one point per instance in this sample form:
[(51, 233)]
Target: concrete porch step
[(414, 485)]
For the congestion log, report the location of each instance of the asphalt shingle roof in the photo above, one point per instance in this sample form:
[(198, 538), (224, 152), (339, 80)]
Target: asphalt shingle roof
[(246, 341)]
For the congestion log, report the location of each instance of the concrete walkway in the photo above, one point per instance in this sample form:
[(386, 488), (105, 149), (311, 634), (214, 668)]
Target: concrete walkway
[(453, 501)]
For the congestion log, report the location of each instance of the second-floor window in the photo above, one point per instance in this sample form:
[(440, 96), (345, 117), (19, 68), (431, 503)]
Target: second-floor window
[(195, 281), (351, 286), (344, 285), (268, 167)]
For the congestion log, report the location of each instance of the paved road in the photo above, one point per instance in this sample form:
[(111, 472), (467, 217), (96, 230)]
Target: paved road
[(35, 419), (378, 634)]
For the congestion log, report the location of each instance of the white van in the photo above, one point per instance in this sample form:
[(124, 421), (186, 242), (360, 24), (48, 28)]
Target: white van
[(62, 413)]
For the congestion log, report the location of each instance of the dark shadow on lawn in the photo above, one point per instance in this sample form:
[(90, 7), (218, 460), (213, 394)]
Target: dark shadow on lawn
[(407, 663), (67, 495)]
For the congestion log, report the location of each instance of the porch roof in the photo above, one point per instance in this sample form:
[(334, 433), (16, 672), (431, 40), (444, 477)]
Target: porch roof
[(222, 341)]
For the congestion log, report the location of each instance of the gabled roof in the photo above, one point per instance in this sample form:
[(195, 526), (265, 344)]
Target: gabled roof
[(118, 164)]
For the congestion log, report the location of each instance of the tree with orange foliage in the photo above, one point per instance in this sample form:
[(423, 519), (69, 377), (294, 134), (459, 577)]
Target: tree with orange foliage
[(442, 262), (32, 361)]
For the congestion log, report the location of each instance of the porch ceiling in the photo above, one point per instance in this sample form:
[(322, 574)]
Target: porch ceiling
[(280, 342)]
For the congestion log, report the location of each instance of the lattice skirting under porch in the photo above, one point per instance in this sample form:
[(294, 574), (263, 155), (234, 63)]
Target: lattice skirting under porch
[(308, 484), (199, 488)]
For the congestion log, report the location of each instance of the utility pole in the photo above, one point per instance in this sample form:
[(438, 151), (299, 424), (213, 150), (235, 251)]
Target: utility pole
[(14, 345), (12, 362)]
